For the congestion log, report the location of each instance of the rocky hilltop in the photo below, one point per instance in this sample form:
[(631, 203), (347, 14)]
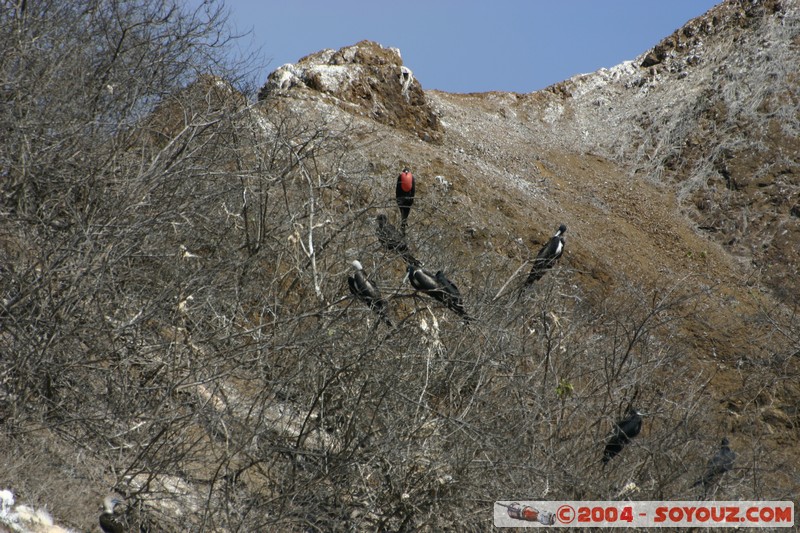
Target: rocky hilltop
[(366, 79), (182, 333), (712, 112)]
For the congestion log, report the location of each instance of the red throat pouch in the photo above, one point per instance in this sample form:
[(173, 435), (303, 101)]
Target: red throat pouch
[(406, 181)]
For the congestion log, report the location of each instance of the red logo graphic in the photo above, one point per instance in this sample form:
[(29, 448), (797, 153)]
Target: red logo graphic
[(565, 514)]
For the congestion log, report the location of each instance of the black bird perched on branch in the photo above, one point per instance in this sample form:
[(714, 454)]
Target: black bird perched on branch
[(363, 289), (452, 295), (404, 194), (623, 432), (109, 522), (548, 255), (439, 287), (393, 240), (717, 465)]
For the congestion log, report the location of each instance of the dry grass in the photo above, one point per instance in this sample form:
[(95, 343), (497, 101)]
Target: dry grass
[(206, 361)]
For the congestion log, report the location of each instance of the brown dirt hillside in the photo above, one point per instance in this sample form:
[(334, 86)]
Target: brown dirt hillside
[(625, 158), (177, 327), (711, 112)]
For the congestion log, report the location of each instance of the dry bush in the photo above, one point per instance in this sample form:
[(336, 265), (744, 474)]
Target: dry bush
[(175, 309)]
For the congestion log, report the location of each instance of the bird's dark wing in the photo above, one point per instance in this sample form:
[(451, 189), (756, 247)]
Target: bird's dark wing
[(546, 250), (110, 523), (351, 281), (438, 287), (631, 426), (369, 289), (545, 259), (425, 281), (550, 252), (359, 285), (623, 432), (721, 462), (612, 449), (728, 457), (368, 292), (452, 296), (447, 285), (391, 238), (395, 241), (536, 274), (364, 288)]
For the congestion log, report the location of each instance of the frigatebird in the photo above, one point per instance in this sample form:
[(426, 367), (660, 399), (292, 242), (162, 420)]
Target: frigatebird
[(452, 295), (548, 255), (393, 240), (404, 194), (109, 522), (623, 432), (717, 465), (439, 287), (366, 291)]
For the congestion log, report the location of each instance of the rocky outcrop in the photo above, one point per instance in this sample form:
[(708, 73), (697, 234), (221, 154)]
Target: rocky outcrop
[(366, 79), (711, 112)]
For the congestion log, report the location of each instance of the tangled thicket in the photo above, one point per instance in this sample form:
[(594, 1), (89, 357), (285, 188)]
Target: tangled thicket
[(176, 324)]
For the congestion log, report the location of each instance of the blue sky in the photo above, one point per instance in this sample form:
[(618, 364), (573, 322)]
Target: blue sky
[(468, 46)]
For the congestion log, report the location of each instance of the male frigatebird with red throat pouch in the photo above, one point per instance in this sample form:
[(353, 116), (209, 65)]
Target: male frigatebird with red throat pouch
[(404, 193)]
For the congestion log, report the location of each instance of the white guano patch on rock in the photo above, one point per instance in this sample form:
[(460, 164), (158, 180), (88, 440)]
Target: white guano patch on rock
[(553, 112), (326, 78), (333, 78)]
